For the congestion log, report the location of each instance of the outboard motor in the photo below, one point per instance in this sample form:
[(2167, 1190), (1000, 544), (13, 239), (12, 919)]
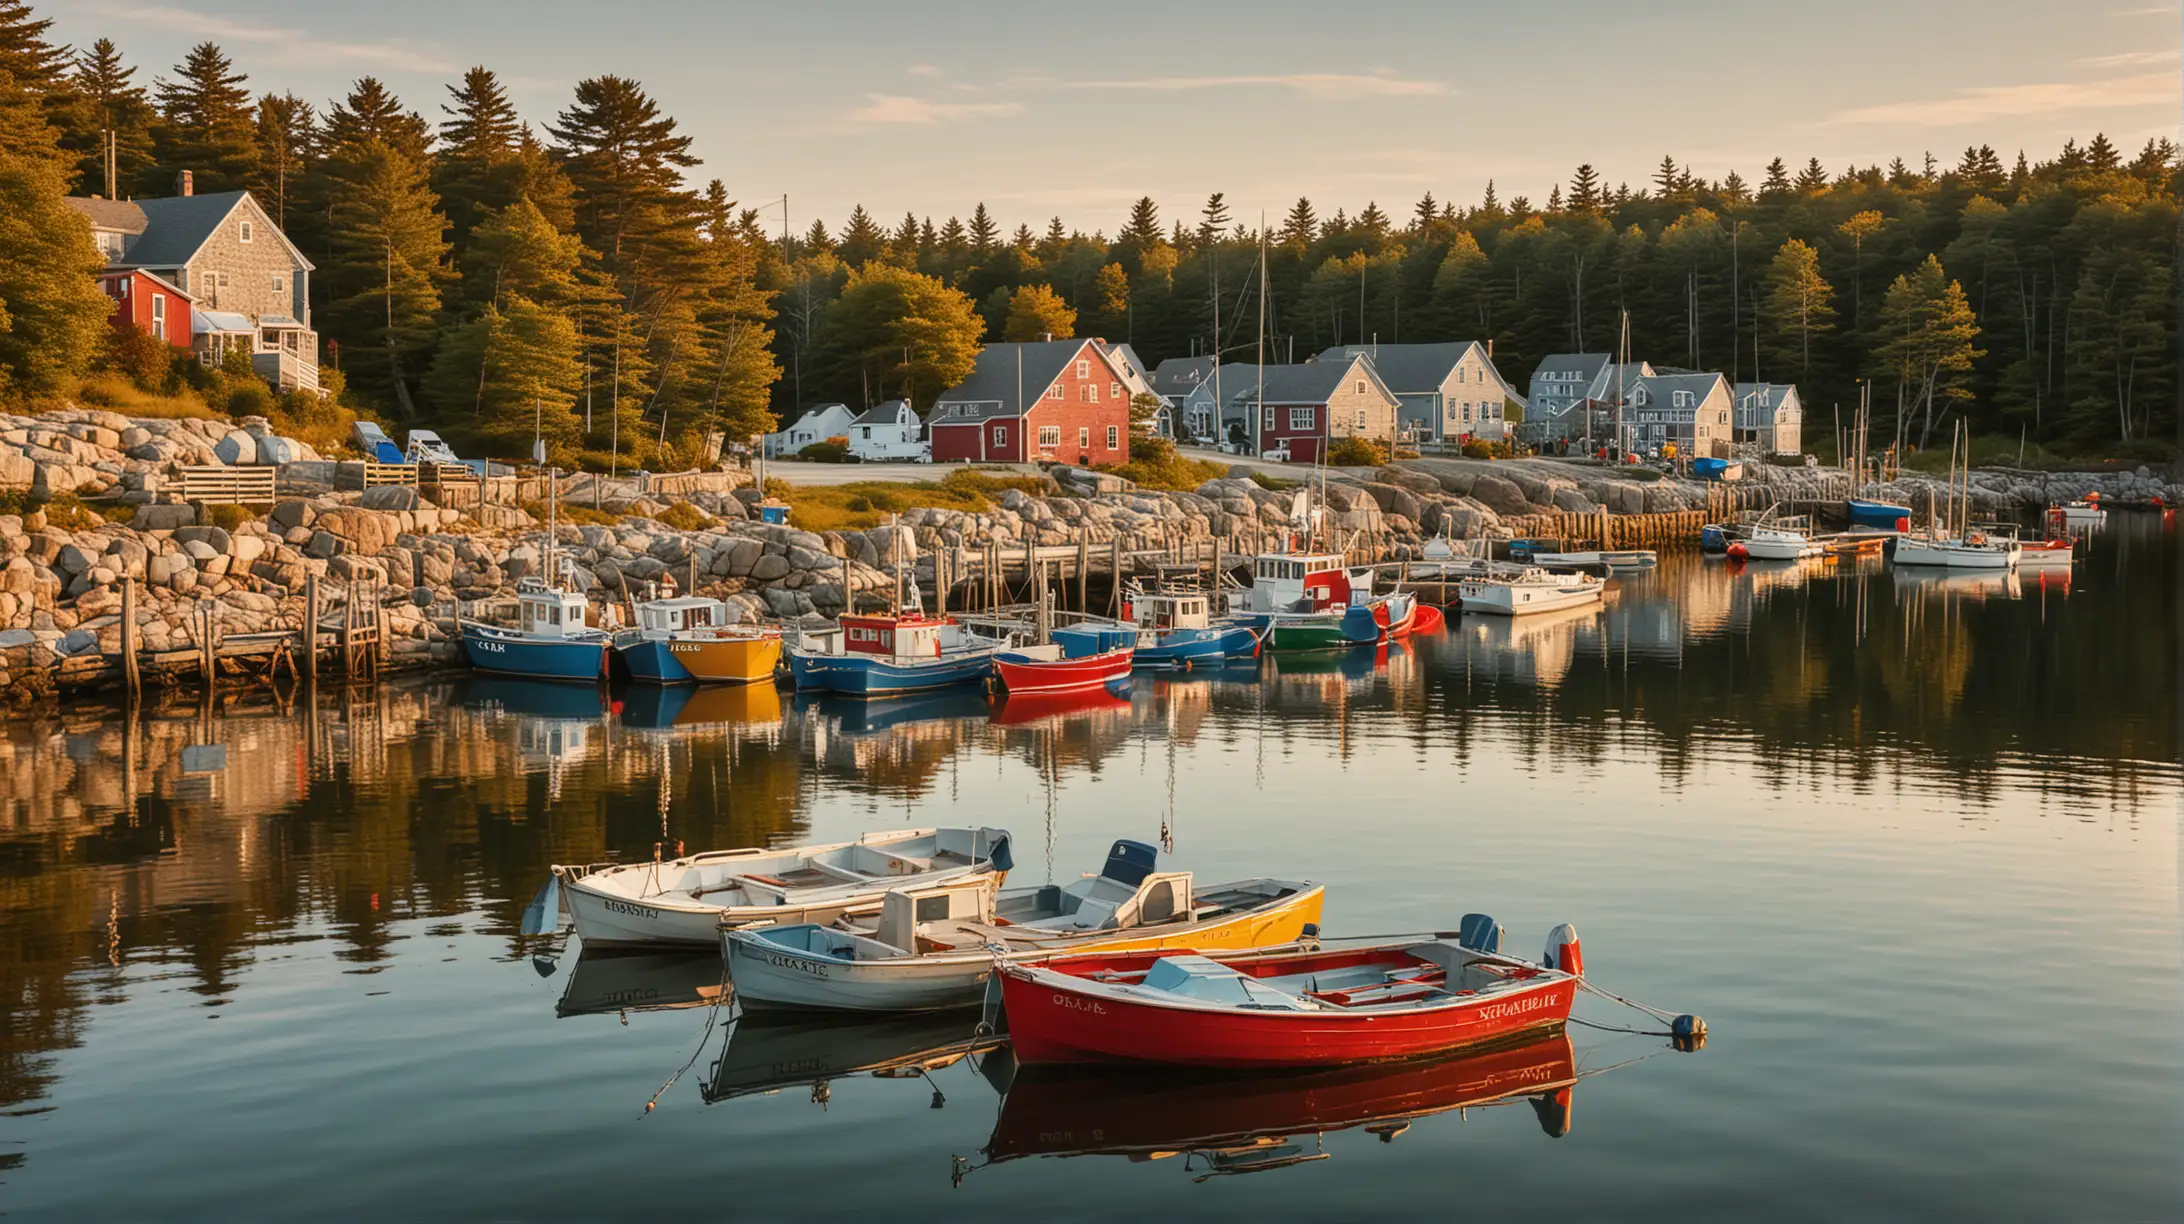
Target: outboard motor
[(1563, 951)]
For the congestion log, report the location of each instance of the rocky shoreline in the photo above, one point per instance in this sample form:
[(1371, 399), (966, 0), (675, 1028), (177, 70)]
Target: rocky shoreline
[(61, 587)]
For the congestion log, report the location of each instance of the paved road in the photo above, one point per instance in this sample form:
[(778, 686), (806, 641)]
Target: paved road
[(814, 475)]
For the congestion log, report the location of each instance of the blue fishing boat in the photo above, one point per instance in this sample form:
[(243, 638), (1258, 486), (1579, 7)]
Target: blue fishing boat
[(1170, 630), (877, 656), (551, 641), (1886, 515), (647, 649)]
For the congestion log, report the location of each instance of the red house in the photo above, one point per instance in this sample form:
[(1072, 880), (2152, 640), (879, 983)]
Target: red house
[(149, 303), (1061, 401)]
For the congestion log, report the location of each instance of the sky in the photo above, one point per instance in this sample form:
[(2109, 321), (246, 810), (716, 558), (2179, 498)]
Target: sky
[(1043, 109)]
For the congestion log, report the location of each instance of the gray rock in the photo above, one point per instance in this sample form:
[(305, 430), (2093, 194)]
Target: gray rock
[(163, 518), (743, 556), (1499, 495), (11, 638), (292, 514), (769, 568), (72, 560), (76, 642), (216, 538), (238, 448), (389, 497)]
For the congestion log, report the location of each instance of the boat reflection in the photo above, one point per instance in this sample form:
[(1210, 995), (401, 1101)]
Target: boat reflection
[(1229, 1124), (604, 983), (1023, 709), (1535, 649), (866, 716), (534, 698), (1972, 584), (658, 706), (767, 1053)]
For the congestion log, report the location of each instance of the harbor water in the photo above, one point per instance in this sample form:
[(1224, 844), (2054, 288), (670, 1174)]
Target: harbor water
[(1908, 843)]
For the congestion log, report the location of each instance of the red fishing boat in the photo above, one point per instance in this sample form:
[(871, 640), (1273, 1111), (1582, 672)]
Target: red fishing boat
[(1042, 669), (1290, 1009)]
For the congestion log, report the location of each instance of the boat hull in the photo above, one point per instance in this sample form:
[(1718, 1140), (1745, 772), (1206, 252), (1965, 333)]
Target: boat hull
[(511, 654), (1513, 599), (1337, 629), (1023, 676), (731, 660), (1925, 553), (653, 663), (1886, 515), (1052, 1021), (871, 677), (768, 975)]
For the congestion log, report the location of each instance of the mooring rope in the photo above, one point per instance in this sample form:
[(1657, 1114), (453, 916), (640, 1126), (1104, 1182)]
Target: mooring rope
[(712, 1018)]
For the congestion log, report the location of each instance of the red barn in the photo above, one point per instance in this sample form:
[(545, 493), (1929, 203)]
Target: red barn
[(1063, 401), (148, 303)]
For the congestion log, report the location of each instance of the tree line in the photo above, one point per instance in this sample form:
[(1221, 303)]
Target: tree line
[(490, 278)]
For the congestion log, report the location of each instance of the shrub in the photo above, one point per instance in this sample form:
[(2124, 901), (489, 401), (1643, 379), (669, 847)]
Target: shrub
[(224, 516), (1271, 482), (250, 397), (1355, 451), (141, 357), (683, 516), (1478, 448), (829, 451), (1155, 464)]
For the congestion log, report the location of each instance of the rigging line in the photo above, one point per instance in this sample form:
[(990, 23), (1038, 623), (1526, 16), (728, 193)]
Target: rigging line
[(705, 1037)]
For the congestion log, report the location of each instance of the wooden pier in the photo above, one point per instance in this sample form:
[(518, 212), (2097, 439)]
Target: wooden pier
[(344, 634)]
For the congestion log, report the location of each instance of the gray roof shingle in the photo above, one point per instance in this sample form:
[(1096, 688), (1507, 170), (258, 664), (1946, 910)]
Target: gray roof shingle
[(999, 387), (1178, 376), (121, 215), (1412, 369)]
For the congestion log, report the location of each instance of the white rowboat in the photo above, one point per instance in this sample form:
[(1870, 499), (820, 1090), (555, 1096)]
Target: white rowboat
[(1531, 589), (688, 900)]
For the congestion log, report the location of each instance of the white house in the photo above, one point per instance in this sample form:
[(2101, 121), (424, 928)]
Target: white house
[(1771, 416), (816, 425), (1180, 379), (889, 432)]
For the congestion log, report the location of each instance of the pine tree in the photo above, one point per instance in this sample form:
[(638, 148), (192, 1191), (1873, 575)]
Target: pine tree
[(908, 333), (287, 138), (1733, 190), (38, 65), (480, 153), (1424, 212), (1858, 227), (1813, 179), (817, 239), (1584, 196), (511, 374), (625, 160), (861, 239), (1667, 183), (1928, 341), (206, 125), (1036, 312), (1777, 183), (1373, 222), (1214, 220), (984, 232), (1143, 228), (1798, 304), (372, 112), (52, 312), (1299, 226), (2101, 154), (518, 251), (382, 279), (105, 98)]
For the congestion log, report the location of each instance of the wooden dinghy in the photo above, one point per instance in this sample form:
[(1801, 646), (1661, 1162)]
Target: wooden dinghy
[(1289, 1009), (936, 947), (688, 900)]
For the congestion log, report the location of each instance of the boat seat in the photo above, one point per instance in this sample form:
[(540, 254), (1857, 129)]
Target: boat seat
[(1196, 977)]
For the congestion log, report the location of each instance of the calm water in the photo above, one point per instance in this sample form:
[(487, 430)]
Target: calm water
[(1910, 847)]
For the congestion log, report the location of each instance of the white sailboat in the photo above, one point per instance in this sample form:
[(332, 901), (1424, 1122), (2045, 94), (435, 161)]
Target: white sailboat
[(1952, 542), (1531, 589)]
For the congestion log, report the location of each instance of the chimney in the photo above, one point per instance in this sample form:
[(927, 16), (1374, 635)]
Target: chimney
[(1490, 348), (184, 183)]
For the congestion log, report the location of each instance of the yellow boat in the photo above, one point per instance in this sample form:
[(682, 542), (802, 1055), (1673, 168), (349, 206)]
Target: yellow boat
[(728, 655), (936, 947)]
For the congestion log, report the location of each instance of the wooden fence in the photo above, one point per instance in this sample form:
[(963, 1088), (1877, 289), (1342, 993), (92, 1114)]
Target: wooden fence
[(219, 483)]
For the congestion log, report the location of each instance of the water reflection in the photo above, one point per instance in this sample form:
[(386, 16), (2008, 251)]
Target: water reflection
[(1224, 1125), (374, 829), (767, 1054)]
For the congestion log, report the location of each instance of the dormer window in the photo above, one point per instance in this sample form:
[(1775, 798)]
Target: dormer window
[(1641, 397), (246, 234)]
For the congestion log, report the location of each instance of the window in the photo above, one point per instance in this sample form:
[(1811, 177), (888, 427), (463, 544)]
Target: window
[(1088, 394), (1361, 386), (159, 308), (1084, 369), (1050, 436), (279, 283), (1361, 418), (1467, 411), (1000, 435), (1460, 372), (1114, 437), (1682, 399), (221, 280), (1054, 392), (865, 432), (1114, 390), (246, 228), (1084, 437), (1641, 397), (1303, 418), (1270, 418)]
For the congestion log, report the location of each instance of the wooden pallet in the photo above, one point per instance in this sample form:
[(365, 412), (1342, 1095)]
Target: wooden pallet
[(218, 483)]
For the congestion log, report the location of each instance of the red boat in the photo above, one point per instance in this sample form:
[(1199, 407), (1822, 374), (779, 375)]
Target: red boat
[(1042, 669), (1309, 1009)]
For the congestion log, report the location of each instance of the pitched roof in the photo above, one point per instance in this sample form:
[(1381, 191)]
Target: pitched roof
[(1661, 388), (1127, 358), (177, 226), (1584, 365), (816, 411), (1007, 380), (1311, 382), (122, 215), (1177, 376), (1412, 369), (887, 413)]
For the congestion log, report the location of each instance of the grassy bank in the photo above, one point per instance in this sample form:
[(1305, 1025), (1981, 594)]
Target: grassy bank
[(869, 503)]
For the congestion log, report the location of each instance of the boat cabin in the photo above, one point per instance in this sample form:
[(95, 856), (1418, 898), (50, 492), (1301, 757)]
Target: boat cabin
[(1171, 610), (550, 612), (899, 639), (1304, 582), (660, 618)]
